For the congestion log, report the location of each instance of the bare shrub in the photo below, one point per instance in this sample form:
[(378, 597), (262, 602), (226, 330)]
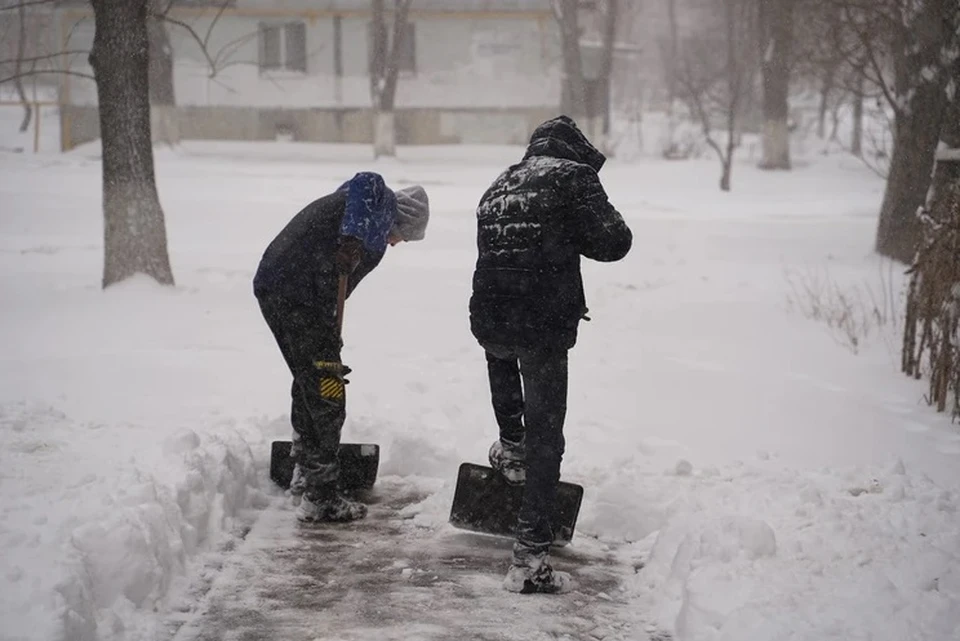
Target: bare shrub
[(853, 313), (931, 338)]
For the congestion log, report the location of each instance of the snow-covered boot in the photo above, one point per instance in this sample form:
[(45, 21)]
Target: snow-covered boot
[(337, 509), (297, 484), (536, 575), (509, 459)]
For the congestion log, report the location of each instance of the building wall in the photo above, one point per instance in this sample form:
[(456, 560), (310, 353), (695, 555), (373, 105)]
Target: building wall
[(497, 62), (417, 126), (478, 78)]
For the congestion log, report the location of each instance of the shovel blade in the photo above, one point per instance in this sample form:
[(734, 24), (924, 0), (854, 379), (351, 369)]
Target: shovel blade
[(358, 465), (484, 502)]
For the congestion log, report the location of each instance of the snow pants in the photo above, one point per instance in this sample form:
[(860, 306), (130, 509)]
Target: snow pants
[(310, 343), (528, 388)]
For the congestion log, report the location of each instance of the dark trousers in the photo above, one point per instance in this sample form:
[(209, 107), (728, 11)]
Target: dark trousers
[(310, 343), (529, 392)]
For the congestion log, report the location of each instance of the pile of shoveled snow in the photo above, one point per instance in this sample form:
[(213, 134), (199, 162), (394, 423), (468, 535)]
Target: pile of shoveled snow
[(124, 530), (753, 552)]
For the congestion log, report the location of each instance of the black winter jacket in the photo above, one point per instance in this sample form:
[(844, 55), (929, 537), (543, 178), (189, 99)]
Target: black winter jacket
[(298, 266), (533, 224)]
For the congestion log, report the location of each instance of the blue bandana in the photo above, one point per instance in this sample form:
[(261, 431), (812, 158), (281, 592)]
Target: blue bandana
[(370, 211)]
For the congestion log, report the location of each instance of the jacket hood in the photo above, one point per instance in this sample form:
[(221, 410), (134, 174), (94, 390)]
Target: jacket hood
[(561, 138)]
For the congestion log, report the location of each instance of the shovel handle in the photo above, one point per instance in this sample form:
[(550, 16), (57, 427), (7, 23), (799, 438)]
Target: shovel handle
[(341, 298)]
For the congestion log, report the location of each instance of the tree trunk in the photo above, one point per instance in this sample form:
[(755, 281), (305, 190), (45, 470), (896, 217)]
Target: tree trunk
[(388, 101), (727, 158), (378, 51), (950, 134), (946, 173), (135, 239), (776, 29), (671, 64), (18, 69), (573, 100), (856, 141), (384, 74), (162, 97), (835, 124), (826, 88), (670, 70), (25, 102), (920, 80), (911, 165), (606, 75), (735, 88), (384, 134), (378, 71)]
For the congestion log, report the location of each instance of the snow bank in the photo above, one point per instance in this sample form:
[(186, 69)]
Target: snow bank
[(766, 553), (96, 533)]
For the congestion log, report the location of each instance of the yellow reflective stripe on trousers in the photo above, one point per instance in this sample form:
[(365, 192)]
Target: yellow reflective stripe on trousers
[(331, 388)]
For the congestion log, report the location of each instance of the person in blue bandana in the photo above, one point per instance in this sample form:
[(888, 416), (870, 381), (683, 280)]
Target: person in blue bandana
[(345, 233)]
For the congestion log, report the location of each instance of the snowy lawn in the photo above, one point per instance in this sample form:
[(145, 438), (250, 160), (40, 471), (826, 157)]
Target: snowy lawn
[(766, 481)]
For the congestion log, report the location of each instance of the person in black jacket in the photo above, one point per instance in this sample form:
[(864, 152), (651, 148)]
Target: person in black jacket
[(297, 284), (533, 224)]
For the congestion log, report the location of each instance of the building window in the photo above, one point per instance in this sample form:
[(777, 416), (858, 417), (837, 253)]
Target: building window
[(283, 47), (406, 57)]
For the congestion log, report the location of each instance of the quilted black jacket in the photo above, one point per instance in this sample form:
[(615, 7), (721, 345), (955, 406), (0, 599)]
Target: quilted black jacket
[(533, 224)]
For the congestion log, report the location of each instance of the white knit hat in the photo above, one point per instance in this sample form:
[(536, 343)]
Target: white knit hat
[(413, 213)]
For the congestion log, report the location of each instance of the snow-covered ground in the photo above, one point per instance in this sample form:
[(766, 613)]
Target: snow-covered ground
[(768, 478)]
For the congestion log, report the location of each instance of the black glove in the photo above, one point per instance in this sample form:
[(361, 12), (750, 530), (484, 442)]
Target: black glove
[(333, 369), (348, 254)]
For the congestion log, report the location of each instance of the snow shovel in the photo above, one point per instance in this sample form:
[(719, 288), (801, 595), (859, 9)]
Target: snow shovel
[(358, 461), (358, 465), (341, 300), (484, 502)]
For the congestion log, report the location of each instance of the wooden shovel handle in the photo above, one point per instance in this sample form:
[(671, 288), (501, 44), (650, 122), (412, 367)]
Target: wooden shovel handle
[(341, 298)]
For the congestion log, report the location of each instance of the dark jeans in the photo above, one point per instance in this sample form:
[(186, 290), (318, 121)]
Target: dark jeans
[(310, 344), (529, 392)]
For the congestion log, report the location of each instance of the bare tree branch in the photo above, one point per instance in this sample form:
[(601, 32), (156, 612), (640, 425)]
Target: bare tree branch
[(228, 88), (18, 65), (192, 32), (213, 23), (169, 6), (44, 72), (25, 4), (237, 63), (870, 58), (73, 29), (213, 61), (48, 56), (695, 99), (230, 48), (714, 76)]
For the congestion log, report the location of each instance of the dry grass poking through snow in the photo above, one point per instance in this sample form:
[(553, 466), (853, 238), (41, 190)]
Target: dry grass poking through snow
[(854, 313)]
